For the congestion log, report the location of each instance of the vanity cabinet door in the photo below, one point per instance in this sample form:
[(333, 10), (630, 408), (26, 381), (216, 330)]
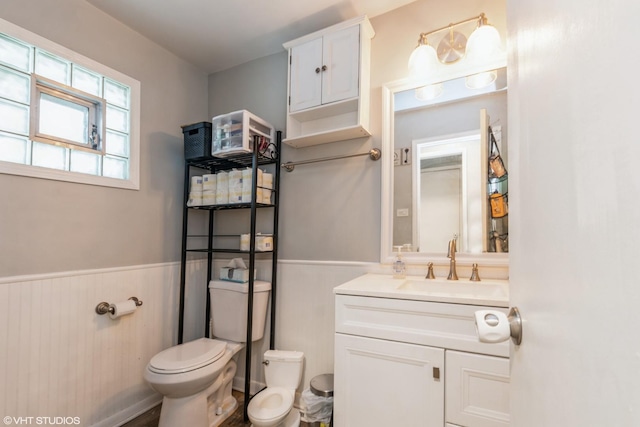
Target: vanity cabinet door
[(477, 390), (381, 383)]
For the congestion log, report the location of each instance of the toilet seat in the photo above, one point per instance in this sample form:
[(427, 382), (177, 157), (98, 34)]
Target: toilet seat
[(270, 404), (188, 356)]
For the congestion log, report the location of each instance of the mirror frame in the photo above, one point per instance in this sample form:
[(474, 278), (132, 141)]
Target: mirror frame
[(450, 72)]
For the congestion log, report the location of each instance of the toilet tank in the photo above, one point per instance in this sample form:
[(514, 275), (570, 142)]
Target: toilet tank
[(229, 302), (284, 368)]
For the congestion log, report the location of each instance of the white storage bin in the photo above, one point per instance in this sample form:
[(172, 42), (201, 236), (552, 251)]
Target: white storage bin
[(233, 134)]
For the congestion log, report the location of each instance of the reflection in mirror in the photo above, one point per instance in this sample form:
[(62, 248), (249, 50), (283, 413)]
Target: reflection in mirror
[(440, 174)]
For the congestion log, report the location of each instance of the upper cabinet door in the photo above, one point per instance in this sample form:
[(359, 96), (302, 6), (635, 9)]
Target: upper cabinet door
[(341, 57), (306, 75)]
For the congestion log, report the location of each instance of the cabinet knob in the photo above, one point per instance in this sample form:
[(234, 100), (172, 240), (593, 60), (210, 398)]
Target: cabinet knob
[(317, 70), (324, 68)]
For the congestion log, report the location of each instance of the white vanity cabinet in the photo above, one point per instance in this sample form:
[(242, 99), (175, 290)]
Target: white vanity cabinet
[(329, 84), (416, 363)]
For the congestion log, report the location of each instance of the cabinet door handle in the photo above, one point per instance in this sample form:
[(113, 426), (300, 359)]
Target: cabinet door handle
[(436, 373), (324, 68), (317, 70)]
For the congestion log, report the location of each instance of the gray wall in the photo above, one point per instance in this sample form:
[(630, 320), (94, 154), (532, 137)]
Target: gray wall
[(327, 210), (331, 210), (50, 226)]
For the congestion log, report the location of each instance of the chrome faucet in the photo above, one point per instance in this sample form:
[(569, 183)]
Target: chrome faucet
[(451, 254)]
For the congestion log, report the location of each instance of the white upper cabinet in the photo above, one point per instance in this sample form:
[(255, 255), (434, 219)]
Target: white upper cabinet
[(325, 70), (329, 84)]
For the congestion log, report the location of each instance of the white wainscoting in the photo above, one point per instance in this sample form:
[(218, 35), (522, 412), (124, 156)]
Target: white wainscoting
[(58, 358), (305, 309)]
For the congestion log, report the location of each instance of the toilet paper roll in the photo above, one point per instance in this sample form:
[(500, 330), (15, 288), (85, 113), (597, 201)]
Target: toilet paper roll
[(122, 308), (195, 199), (209, 182), (492, 326), (196, 183), (222, 188), (245, 242), (209, 198), (267, 180), (266, 196)]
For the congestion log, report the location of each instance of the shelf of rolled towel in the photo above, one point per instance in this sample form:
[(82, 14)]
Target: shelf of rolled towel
[(230, 243), (229, 189)]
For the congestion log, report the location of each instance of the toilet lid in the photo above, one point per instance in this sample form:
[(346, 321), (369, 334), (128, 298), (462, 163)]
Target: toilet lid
[(188, 356)]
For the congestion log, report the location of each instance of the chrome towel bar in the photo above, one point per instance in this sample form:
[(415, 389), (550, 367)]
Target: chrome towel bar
[(374, 154)]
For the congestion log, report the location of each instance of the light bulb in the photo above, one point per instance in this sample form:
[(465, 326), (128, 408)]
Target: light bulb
[(427, 93), (483, 43), (480, 80), (422, 61)]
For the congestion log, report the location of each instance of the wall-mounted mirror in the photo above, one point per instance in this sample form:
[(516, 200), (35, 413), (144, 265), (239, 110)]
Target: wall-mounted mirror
[(436, 184)]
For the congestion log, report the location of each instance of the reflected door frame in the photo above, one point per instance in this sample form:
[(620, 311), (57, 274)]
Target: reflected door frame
[(467, 145)]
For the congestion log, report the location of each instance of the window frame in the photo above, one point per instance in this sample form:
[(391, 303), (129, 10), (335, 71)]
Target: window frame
[(96, 113), (132, 182)]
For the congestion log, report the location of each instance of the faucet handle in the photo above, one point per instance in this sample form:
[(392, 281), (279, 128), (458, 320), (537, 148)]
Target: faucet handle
[(475, 277), (430, 274)]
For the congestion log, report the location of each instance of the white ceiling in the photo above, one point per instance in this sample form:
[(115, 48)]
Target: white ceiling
[(220, 34)]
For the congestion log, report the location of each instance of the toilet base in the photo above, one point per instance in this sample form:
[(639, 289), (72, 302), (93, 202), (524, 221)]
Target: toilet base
[(291, 420), (209, 408), (228, 407)]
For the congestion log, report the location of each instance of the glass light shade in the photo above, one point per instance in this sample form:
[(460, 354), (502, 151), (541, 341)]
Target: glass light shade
[(422, 61), (480, 80), (427, 93), (483, 42)]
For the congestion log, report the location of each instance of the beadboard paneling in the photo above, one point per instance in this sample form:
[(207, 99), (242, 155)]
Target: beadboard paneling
[(60, 359), (305, 309)]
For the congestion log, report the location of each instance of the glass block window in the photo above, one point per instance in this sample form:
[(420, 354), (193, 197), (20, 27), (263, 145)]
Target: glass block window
[(65, 113)]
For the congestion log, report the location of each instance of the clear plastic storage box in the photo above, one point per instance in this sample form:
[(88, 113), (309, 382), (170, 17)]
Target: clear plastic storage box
[(233, 134)]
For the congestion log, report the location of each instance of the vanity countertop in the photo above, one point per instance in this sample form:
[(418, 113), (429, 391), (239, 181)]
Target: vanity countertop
[(490, 292)]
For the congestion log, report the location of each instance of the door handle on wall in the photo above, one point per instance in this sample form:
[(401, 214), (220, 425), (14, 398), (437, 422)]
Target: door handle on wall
[(494, 326)]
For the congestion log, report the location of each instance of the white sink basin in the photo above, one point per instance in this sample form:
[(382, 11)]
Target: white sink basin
[(487, 292), (482, 289)]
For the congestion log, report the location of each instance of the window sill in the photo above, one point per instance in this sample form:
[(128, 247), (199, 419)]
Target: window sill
[(133, 183)]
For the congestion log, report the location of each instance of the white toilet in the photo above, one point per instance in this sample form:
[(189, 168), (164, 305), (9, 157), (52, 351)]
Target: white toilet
[(195, 378), (272, 407)]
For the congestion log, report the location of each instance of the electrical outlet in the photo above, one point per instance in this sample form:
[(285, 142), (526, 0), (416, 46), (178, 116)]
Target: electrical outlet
[(403, 212)]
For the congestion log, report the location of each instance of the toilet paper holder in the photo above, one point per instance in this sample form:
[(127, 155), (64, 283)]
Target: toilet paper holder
[(105, 307), (493, 326)]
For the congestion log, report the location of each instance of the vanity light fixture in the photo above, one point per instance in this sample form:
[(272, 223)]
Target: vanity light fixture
[(484, 42)]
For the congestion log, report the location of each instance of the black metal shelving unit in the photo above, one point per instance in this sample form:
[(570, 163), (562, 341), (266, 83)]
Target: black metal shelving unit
[(253, 160)]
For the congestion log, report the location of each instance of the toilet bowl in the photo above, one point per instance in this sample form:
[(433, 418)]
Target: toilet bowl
[(273, 406), (187, 375), (195, 378)]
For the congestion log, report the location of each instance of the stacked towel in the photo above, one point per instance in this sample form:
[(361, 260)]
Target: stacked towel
[(195, 191), (235, 186), (209, 185), (222, 188), (267, 184), (247, 181)]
